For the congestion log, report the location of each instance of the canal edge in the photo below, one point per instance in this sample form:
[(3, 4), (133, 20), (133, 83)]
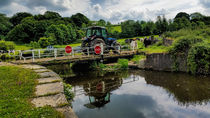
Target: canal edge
[(50, 91)]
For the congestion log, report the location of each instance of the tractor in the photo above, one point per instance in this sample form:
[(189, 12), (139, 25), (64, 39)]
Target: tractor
[(98, 36)]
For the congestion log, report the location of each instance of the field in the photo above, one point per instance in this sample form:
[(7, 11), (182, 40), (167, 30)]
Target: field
[(150, 49)]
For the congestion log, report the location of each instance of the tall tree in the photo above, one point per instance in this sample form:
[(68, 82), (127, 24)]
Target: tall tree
[(16, 19), (79, 19), (5, 25), (183, 14)]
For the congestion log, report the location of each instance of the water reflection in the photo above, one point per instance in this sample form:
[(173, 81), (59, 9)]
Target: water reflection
[(137, 94)]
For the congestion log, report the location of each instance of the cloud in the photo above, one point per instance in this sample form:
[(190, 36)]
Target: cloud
[(111, 10)]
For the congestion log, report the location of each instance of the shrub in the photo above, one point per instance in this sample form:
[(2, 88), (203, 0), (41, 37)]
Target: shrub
[(44, 42), (198, 60), (34, 44), (6, 45), (137, 58), (68, 92), (122, 63)]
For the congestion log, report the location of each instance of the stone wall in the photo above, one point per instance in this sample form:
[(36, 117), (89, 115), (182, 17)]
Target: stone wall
[(163, 62)]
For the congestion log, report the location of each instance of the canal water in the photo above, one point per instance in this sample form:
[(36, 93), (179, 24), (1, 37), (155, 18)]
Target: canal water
[(137, 94)]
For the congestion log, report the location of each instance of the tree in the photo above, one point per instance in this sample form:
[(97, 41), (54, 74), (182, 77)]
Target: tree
[(79, 19), (51, 15), (101, 22), (56, 32), (23, 32), (72, 32), (5, 25), (182, 23), (16, 19), (127, 28), (182, 14)]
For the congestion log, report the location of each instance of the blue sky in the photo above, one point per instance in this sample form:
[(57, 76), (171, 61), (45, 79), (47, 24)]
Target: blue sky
[(110, 10)]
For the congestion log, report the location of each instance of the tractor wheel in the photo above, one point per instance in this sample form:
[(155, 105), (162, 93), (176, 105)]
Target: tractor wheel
[(117, 48), (84, 47), (98, 42)]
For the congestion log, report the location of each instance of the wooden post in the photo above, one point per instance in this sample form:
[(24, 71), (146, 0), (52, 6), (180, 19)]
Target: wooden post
[(32, 55), (39, 53), (55, 53)]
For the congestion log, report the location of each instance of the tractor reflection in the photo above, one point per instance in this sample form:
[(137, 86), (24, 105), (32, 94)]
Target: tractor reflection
[(99, 91)]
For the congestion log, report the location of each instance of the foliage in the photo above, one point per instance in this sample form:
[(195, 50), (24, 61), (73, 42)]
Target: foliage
[(6, 45), (137, 58), (17, 86), (122, 63), (68, 92), (198, 60), (193, 46), (34, 44), (5, 25), (79, 19), (63, 34), (44, 42), (18, 17)]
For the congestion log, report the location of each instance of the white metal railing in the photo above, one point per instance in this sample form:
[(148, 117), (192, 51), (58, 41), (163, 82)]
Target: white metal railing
[(59, 52)]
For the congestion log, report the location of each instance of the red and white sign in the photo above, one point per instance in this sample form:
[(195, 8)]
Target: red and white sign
[(97, 50), (68, 49)]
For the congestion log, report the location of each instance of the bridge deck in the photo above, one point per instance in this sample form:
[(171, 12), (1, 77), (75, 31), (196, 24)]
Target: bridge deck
[(75, 58)]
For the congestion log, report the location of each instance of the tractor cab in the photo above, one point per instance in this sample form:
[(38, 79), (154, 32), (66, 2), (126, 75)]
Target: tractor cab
[(96, 36), (96, 31)]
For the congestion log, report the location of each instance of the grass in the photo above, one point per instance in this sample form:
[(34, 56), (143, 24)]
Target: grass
[(17, 87), (155, 49), (137, 58)]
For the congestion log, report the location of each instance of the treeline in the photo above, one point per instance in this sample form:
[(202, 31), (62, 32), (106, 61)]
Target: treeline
[(25, 28), (182, 20), (51, 28)]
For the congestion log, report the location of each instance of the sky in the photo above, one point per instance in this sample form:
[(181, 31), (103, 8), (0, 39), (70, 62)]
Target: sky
[(114, 11)]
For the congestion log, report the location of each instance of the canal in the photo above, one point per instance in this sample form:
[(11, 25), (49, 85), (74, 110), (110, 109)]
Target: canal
[(137, 94)]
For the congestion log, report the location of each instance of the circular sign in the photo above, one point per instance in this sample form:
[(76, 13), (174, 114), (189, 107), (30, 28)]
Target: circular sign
[(68, 49), (97, 49), (99, 87)]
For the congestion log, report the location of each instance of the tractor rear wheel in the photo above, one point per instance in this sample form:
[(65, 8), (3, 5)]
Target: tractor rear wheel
[(98, 42)]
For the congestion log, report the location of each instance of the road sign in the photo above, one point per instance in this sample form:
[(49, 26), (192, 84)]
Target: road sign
[(97, 50), (68, 49)]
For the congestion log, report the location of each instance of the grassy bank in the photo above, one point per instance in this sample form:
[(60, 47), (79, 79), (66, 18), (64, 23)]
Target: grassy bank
[(17, 87)]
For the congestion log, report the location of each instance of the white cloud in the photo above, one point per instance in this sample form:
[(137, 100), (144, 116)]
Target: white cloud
[(112, 10)]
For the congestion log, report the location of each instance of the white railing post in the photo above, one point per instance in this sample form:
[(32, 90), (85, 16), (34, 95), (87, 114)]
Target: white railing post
[(102, 49), (9, 52), (55, 53), (32, 55), (20, 54), (88, 51), (72, 52), (119, 49), (39, 53)]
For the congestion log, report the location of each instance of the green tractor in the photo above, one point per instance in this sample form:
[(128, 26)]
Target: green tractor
[(97, 36)]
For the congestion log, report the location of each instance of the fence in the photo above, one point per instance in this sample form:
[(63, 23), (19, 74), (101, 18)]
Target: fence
[(59, 52)]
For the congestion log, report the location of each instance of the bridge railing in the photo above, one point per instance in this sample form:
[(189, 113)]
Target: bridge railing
[(60, 52)]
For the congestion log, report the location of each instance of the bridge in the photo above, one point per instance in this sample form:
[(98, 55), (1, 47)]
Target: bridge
[(59, 55)]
